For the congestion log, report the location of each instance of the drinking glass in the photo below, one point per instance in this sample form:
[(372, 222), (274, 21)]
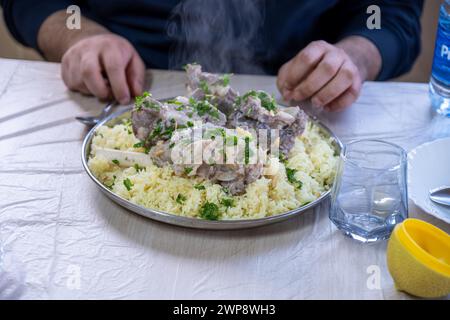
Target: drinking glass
[(369, 196)]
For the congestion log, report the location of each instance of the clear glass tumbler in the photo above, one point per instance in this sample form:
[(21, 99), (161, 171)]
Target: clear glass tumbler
[(369, 196)]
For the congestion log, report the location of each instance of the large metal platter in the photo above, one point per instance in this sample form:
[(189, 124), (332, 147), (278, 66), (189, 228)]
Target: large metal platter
[(173, 219)]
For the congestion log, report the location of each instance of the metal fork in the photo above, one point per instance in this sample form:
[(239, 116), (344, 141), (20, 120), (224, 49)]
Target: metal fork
[(92, 121)]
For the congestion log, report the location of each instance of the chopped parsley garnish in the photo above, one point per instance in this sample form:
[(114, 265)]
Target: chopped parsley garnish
[(204, 86), (128, 184), (188, 170), (267, 102), (282, 158), (156, 131), (138, 167), (210, 211), (175, 102), (226, 80), (190, 124), (247, 150), (204, 107), (290, 174), (169, 131), (138, 145), (171, 145), (227, 202), (199, 186), (151, 105), (226, 190), (180, 199), (140, 101), (116, 162)]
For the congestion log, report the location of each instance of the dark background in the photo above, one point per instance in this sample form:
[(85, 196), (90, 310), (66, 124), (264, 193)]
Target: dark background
[(9, 48)]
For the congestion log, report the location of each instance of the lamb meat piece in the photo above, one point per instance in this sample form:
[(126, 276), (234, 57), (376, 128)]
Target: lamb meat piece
[(252, 115), (234, 176), (244, 176), (259, 111), (145, 116), (207, 112), (161, 153), (288, 134), (153, 121), (216, 88)]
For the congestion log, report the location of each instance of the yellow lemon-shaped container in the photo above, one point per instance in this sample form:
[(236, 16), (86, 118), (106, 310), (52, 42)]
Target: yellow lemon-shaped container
[(418, 258)]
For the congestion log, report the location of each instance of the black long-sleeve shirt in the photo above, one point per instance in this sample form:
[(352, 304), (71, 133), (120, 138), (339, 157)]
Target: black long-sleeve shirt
[(253, 36)]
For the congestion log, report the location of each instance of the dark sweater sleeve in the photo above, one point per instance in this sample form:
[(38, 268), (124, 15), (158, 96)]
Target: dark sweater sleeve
[(398, 40), (25, 17)]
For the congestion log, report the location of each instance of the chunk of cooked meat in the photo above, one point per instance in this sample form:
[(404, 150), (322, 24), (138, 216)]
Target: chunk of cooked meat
[(153, 121), (289, 133), (258, 110), (178, 152), (242, 176), (145, 116), (213, 87)]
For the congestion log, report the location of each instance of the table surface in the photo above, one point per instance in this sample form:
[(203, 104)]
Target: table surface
[(60, 237)]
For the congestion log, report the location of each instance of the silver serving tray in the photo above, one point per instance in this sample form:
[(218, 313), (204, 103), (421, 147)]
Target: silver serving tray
[(173, 219)]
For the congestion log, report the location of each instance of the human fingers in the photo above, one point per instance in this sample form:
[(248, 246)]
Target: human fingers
[(323, 73)]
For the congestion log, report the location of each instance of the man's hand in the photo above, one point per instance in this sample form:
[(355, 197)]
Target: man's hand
[(104, 65), (94, 60), (330, 75)]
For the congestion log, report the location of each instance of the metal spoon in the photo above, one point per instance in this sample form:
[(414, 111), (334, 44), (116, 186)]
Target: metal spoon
[(441, 195), (92, 121)]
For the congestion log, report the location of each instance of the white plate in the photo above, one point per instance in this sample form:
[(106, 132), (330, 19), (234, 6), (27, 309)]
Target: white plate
[(429, 168)]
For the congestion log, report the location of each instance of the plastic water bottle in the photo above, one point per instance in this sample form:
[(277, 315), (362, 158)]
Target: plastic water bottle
[(440, 73)]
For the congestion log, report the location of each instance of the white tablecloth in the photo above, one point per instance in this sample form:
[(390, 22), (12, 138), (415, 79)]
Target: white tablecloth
[(61, 238)]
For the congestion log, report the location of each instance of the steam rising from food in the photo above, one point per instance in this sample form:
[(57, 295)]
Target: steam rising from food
[(220, 35)]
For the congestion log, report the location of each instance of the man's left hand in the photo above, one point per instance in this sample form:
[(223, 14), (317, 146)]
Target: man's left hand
[(330, 75)]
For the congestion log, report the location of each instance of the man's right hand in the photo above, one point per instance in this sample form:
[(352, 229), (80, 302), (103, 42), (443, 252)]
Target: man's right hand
[(94, 60), (105, 65)]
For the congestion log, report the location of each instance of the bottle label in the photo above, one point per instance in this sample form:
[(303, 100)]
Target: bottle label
[(441, 62)]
